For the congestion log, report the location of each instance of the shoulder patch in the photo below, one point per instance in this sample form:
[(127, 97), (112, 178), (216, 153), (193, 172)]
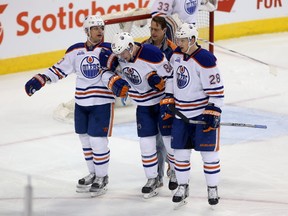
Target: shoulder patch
[(75, 46), (147, 49), (205, 58)]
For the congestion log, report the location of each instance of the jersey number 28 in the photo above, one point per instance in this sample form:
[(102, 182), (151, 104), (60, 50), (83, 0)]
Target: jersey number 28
[(214, 79)]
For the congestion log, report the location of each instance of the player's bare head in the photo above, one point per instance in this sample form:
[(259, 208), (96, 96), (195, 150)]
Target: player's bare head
[(94, 28), (122, 45), (158, 28), (186, 36)]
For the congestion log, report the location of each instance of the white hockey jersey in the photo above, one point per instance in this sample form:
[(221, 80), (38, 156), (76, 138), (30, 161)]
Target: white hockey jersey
[(196, 81), (186, 9), (148, 58), (86, 64)]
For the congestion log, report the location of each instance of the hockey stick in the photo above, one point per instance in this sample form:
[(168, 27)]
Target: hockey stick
[(189, 121), (272, 68)]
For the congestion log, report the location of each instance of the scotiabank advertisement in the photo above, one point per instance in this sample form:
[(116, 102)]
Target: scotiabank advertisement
[(33, 26)]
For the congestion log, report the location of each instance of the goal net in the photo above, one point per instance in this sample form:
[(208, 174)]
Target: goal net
[(137, 22)]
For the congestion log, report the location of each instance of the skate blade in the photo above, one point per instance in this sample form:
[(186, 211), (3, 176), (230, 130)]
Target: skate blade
[(150, 195), (98, 193), (180, 204), (83, 189), (213, 207)]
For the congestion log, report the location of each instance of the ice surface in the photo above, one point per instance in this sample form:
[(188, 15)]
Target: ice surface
[(254, 177)]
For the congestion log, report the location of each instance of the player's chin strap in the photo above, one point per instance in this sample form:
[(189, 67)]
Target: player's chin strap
[(189, 46), (89, 39), (130, 49), (93, 43)]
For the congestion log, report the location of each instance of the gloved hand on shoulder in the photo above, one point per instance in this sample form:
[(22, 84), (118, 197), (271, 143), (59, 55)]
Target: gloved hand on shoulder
[(167, 101), (35, 84), (212, 117), (118, 86), (155, 81), (108, 59)]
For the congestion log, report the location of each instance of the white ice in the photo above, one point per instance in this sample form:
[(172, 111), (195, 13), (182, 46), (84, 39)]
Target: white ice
[(254, 174)]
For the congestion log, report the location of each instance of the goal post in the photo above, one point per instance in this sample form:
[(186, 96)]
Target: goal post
[(211, 31)]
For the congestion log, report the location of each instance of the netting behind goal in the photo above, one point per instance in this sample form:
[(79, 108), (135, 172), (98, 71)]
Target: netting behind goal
[(137, 22)]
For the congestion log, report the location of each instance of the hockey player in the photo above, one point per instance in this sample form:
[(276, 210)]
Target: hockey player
[(145, 68), (159, 39), (180, 11), (94, 102), (197, 91)]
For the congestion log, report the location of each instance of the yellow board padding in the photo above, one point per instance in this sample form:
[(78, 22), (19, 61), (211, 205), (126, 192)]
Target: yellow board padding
[(227, 31), (30, 62)]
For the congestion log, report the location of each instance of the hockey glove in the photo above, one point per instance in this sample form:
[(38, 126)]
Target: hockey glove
[(165, 112), (108, 59), (211, 116), (155, 81), (118, 86), (35, 84)]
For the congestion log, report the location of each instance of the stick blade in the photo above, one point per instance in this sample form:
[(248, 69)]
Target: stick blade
[(261, 126)]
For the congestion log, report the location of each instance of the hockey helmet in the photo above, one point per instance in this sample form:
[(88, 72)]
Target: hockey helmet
[(187, 30), (121, 41), (91, 21)]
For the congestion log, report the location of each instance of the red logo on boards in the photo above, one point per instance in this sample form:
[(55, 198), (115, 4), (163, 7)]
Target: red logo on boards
[(225, 5), (2, 8)]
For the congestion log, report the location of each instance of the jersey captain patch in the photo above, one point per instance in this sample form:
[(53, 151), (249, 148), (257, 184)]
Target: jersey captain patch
[(90, 67), (183, 77), (132, 75), (190, 6)]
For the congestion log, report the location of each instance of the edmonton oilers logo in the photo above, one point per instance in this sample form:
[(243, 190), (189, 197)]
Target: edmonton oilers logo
[(190, 6), (90, 67), (183, 77), (132, 75)]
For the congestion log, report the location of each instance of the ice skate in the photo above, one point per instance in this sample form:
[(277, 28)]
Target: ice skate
[(213, 195), (180, 196), (150, 188), (84, 183), (173, 181), (99, 186)]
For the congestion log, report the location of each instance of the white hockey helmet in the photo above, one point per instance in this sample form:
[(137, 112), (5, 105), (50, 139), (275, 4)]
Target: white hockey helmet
[(121, 41), (91, 21), (187, 30)]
